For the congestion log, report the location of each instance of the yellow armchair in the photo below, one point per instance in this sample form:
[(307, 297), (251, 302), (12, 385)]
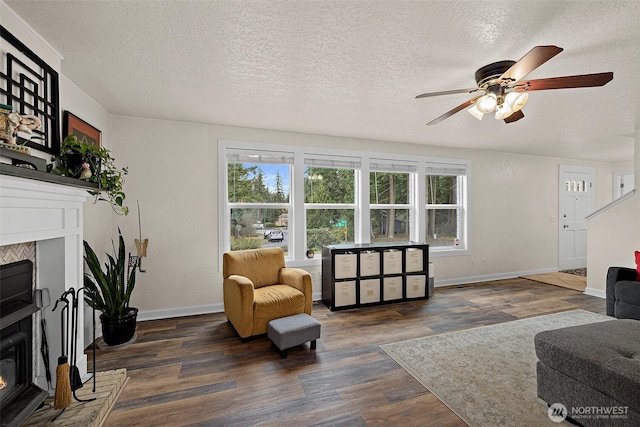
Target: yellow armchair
[(259, 288)]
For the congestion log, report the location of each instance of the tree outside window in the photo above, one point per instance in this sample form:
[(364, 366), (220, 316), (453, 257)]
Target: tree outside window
[(329, 196), (443, 210), (332, 203), (390, 206), (258, 197)]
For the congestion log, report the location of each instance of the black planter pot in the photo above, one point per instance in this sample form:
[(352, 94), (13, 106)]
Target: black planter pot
[(119, 330), (73, 162)]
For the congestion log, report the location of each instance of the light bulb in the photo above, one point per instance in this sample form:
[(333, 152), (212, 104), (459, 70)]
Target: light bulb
[(516, 100), (487, 103), (503, 111), (475, 112)]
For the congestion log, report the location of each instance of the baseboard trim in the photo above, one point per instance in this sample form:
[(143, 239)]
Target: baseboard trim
[(219, 308), (595, 293), (490, 277), (190, 311), (180, 312)]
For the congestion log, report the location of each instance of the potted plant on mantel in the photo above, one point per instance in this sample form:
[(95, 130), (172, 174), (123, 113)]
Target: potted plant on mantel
[(82, 160), (109, 291)]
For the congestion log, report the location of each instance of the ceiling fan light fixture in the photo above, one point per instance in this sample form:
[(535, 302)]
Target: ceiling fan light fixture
[(487, 103), (505, 91), (516, 100), (475, 112), (503, 111)]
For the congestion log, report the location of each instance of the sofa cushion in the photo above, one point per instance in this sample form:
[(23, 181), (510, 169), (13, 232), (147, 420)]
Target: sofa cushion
[(627, 296), (604, 356), (614, 275)]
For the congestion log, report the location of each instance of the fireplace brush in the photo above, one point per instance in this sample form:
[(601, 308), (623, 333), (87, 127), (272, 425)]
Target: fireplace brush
[(63, 396)]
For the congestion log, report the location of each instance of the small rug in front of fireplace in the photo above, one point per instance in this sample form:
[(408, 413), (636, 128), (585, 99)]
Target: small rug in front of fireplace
[(109, 385)]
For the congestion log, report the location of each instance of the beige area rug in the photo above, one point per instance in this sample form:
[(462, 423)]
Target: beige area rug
[(109, 385), (486, 375), (565, 280)]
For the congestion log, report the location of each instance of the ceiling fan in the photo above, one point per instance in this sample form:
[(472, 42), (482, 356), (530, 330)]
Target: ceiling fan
[(504, 92)]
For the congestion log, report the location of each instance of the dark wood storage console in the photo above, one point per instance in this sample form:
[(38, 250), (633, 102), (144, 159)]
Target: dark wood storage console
[(355, 275)]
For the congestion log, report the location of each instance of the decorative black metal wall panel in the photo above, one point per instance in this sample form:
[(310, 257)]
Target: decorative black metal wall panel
[(30, 86)]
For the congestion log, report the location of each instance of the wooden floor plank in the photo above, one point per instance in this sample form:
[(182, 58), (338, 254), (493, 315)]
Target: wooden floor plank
[(195, 371)]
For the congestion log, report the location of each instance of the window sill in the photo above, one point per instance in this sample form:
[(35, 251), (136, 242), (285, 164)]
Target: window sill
[(304, 263), (440, 253)]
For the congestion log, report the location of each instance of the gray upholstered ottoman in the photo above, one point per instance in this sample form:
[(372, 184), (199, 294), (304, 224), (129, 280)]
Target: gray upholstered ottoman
[(291, 331), (593, 370)]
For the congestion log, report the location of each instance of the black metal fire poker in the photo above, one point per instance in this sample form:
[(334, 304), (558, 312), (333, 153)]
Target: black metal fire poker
[(74, 372)]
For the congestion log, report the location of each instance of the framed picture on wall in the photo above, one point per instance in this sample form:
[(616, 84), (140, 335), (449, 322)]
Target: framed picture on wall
[(73, 125)]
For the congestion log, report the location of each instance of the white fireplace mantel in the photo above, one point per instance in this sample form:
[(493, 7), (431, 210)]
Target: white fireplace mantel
[(51, 215)]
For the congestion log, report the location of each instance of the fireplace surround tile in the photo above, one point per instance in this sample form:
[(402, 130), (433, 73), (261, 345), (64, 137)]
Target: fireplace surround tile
[(18, 252)]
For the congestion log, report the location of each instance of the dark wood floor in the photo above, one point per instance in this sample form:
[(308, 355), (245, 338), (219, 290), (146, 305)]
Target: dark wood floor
[(195, 370)]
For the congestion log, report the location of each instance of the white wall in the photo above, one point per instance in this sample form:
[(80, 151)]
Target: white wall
[(513, 201), (173, 173), (614, 235), (23, 32), (97, 218)]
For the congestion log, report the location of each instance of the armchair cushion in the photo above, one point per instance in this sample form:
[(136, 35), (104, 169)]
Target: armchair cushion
[(261, 266), (259, 288), (274, 302)]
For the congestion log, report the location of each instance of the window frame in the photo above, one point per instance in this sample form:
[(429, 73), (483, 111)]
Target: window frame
[(253, 157), (334, 162), (297, 207), (461, 171), (397, 166)]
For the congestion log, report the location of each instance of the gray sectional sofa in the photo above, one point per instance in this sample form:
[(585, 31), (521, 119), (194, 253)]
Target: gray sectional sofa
[(593, 370), (623, 293)]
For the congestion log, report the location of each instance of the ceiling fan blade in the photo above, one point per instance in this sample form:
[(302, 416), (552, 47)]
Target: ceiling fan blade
[(447, 92), (532, 60), (514, 117), (450, 113), (565, 82)]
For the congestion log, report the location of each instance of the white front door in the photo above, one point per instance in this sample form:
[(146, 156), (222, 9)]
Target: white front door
[(575, 203)]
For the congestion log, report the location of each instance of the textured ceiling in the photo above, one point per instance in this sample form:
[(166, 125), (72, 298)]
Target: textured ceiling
[(353, 68)]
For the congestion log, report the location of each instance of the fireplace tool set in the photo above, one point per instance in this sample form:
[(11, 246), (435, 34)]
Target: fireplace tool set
[(68, 376), (43, 300)]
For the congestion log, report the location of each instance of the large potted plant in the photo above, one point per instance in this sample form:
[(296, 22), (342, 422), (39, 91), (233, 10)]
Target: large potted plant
[(109, 291), (79, 159)]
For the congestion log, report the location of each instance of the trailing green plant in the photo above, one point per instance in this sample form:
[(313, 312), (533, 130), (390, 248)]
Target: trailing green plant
[(77, 156), (109, 290)]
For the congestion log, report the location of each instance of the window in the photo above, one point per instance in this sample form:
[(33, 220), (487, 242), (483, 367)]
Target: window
[(444, 189), (330, 201), (312, 199), (258, 198), (390, 201)]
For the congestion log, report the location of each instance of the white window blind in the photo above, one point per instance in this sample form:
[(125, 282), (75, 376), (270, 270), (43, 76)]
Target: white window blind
[(380, 165), (332, 162), (449, 169), (235, 155)]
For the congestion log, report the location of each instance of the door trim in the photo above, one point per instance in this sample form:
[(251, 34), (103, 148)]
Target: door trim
[(562, 169)]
